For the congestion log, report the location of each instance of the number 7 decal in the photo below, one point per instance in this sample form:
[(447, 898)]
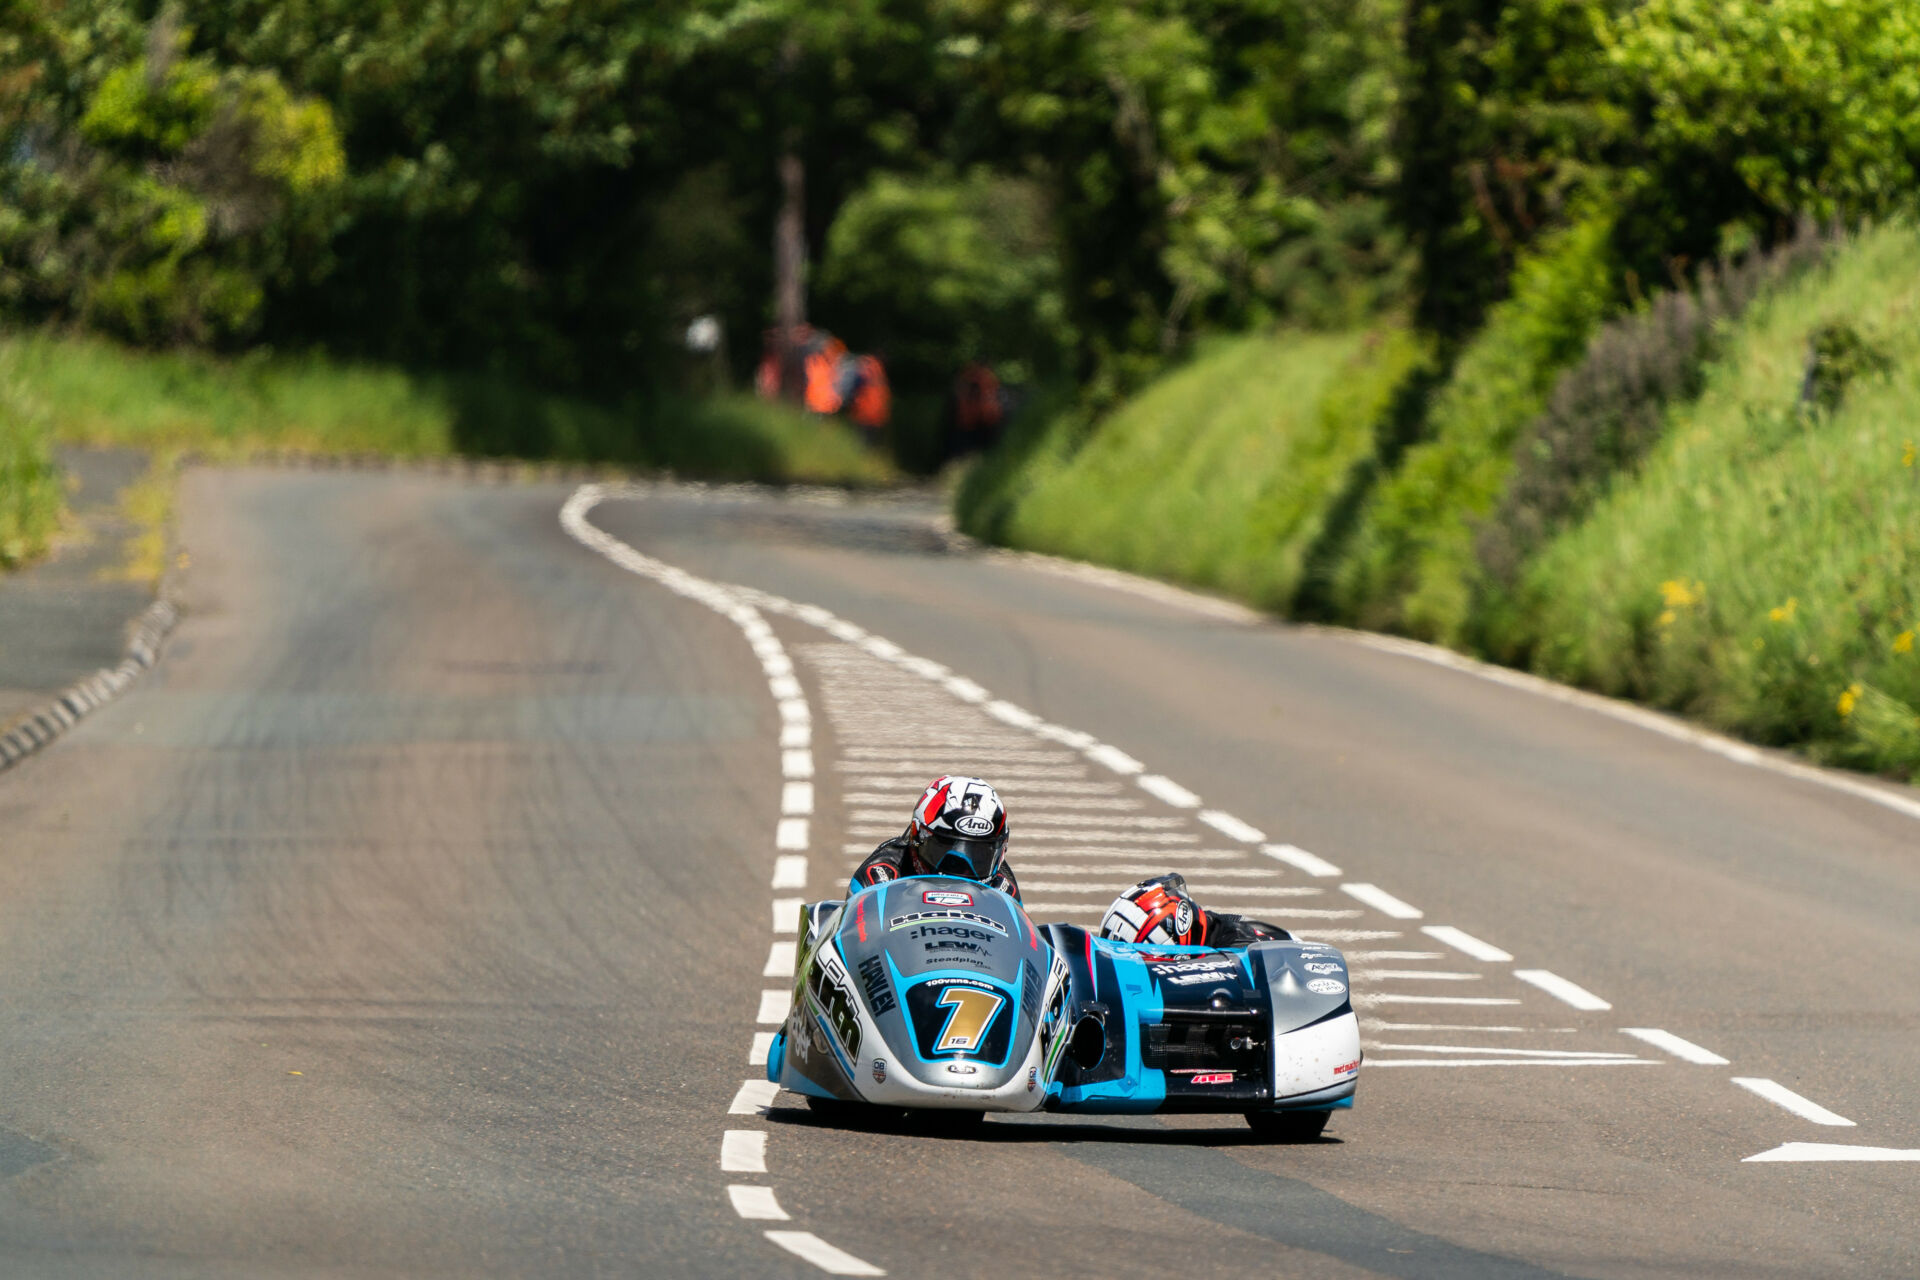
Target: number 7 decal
[(972, 1013)]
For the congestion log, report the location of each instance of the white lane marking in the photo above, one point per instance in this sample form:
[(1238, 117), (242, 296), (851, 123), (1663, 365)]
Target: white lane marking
[(1781, 1096), (833, 1261), (786, 914), (796, 798), (796, 735), (925, 668), (1460, 940), (1168, 791), (1231, 827), (790, 834), (796, 764), (964, 689), (1560, 989), (761, 1049), (775, 1005), (1685, 1050), (1382, 997), (784, 687), (794, 711), (780, 958), (743, 1151), (754, 1097), (1113, 758), (1251, 890), (1382, 901), (756, 1203), (790, 871), (1510, 1062), (1145, 869), (1826, 1151), (1501, 1051), (1418, 975), (1299, 859), (1664, 725), (1013, 715), (1376, 1024)]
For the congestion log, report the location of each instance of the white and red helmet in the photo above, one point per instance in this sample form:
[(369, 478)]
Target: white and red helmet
[(1158, 911), (959, 828)]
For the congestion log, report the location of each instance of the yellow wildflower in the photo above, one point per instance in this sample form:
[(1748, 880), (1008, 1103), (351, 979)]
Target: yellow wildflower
[(1676, 594), (1903, 643), (1666, 618), (1848, 697), (1907, 455), (1785, 612)]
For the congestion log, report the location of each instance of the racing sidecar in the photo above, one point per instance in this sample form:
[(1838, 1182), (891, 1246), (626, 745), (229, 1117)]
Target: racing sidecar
[(941, 993)]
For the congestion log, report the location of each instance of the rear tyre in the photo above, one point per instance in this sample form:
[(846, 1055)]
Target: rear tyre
[(1289, 1126)]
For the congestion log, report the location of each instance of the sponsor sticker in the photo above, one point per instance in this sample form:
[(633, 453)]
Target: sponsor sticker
[(946, 913), (1321, 968), (973, 824), (1033, 1078), (1326, 987), (1212, 1077), (946, 898), (879, 1070), (1346, 1067), (963, 1068)]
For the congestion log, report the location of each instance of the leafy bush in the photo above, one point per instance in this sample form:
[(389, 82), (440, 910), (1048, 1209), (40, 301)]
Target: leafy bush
[(1763, 569), (29, 484)]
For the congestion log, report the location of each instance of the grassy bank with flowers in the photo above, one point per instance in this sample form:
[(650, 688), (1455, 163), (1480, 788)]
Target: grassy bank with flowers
[(1761, 570)]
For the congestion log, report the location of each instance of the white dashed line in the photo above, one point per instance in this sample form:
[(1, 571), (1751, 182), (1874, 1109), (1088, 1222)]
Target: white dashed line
[(1382, 901), (1781, 1096), (1827, 1151), (1168, 791), (791, 834), (836, 1262), (1299, 859), (756, 1203), (780, 959), (797, 798), (786, 914), (775, 1005), (743, 1151), (790, 872), (1231, 827), (1113, 758), (1560, 989), (1685, 1050), (753, 1098), (761, 1047), (1466, 942)]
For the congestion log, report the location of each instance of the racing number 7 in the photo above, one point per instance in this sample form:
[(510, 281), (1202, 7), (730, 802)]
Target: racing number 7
[(972, 1013)]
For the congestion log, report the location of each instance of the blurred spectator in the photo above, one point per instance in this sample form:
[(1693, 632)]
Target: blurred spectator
[(872, 399), (976, 410)]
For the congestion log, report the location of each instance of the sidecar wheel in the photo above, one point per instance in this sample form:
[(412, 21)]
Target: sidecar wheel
[(1289, 1126)]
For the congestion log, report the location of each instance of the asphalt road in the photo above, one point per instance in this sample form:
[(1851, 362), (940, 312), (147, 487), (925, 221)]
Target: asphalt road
[(413, 918)]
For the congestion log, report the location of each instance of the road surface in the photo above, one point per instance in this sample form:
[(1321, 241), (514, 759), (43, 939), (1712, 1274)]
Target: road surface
[(414, 918)]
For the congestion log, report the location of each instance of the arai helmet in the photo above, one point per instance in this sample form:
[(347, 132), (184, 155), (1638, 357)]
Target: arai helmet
[(959, 828)]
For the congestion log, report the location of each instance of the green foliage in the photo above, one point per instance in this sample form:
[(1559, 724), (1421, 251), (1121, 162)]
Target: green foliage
[(936, 271), (29, 484), (1763, 571), (1218, 473), (1410, 564), (94, 392)]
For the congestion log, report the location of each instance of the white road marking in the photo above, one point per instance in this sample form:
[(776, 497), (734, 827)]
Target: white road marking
[(1382, 997), (835, 1262), (1510, 1062), (1685, 1050), (756, 1203), (1460, 940), (1395, 955), (1116, 839), (1427, 975), (1500, 1051), (786, 914), (796, 798), (780, 958), (1345, 935), (1028, 819), (1560, 989), (1113, 758), (1375, 1024), (790, 872), (1827, 1151), (1253, 891), (784, 687), (775, 1005), (1168, 791), (1013, 715), (1781, 1096), (761, 1049), (796, 764), (964, 689), (1231, 827), (1299, 859), (743, 1151), (790, 834), (1382, 901), (754, 1097), (1009, 754), (925, 668), (796, 735)]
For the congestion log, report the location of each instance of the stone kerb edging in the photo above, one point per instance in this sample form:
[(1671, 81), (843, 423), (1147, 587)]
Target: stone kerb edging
[(48, 722)]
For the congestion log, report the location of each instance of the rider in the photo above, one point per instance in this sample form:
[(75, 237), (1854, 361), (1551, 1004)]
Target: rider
[(959, 828)]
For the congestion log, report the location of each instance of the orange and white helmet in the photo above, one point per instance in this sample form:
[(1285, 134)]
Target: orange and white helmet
[(959, 828), (1159, 911)]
